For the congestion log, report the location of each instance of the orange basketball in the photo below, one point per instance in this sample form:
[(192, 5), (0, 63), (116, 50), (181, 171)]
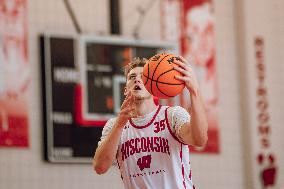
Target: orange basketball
[(159, 76)]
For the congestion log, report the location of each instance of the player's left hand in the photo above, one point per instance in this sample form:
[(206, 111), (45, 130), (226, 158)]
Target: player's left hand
[(188, 77)]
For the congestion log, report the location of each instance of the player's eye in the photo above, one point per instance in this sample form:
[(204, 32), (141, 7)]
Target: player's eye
[(131, 77)]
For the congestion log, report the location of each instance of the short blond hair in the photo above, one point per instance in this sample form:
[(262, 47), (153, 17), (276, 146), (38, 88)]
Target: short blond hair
[(135, 62)]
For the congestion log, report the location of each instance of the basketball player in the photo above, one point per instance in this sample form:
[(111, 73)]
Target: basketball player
[(149, 141)]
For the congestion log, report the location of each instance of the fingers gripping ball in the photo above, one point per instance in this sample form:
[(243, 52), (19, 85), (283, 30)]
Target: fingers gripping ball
[(159, 76)]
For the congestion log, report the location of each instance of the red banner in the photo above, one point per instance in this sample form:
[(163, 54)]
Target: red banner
[(195, 19), (14, 73), (198, 45)]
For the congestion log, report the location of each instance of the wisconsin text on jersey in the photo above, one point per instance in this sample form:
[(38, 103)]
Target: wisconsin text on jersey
[(144, 144)]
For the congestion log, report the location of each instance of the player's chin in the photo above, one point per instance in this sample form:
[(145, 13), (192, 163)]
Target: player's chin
[(143, 96), (136, 94), (147, 96)]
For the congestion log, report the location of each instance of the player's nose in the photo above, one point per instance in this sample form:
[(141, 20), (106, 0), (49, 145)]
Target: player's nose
[(138, 79)]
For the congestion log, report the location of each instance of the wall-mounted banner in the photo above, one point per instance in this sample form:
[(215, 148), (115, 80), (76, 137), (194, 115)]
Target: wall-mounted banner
[(265, 155), (14, 73), (197, 45)]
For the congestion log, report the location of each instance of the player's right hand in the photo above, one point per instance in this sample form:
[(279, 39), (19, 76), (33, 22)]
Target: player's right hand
[(127, 109)]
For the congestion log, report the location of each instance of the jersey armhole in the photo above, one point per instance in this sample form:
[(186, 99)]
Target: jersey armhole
[(169, 128)]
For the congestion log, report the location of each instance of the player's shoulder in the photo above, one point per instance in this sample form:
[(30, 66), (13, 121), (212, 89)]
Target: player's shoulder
[(176, 109), (110, 122)]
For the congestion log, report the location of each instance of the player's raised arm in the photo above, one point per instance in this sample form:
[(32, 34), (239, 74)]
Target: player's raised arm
[(107, 150), (195, 132)]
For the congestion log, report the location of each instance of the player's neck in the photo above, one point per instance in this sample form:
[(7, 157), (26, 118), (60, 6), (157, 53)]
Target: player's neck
[(145, 107)]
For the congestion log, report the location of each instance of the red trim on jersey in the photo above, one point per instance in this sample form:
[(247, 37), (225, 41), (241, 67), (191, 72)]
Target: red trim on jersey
[(182, 167), (119, 168), (169, 128), (148, 124), (190, 171)]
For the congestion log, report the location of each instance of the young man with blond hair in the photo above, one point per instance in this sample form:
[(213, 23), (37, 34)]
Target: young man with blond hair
[(149, 141)]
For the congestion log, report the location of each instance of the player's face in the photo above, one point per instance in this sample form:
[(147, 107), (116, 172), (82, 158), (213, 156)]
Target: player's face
[(135, 84)]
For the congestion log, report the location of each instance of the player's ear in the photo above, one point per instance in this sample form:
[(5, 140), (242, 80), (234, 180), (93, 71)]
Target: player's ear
[(125, 91)]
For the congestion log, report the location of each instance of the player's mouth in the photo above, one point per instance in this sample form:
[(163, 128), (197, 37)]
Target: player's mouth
[(137, 88)]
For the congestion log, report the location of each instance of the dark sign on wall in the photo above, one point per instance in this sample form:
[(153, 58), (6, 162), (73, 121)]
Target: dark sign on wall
[(83, 82)]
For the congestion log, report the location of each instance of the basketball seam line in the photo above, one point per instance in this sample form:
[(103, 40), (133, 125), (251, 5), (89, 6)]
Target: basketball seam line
[(164, 82), (165, 73), (155, 71), (147, 77), (162, 91), (158, 81)]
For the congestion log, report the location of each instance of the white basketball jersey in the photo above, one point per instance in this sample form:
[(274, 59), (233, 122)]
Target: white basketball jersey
[(150, 156)]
